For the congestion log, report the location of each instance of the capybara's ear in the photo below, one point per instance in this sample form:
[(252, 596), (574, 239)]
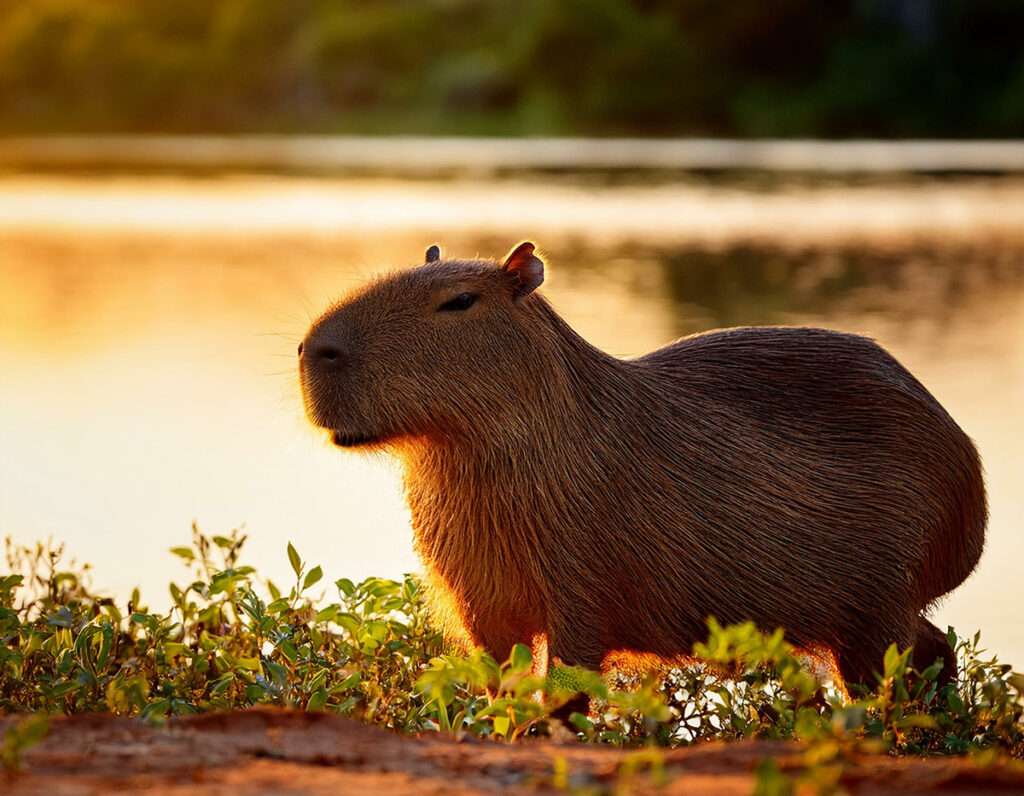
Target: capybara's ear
[(526, 267), (433, 254)]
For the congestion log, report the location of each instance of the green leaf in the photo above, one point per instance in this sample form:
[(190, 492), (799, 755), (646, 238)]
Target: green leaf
[(61, 689), (577, 680), (501, 725), (172, 649), (185, 553), (378, 631), (932, 671), (317, 682), (293, 558), (349, 622), (922, 720), (221, 684), (158, 707), (62, 617), (349, 682), (254, 692), (288, 650), (312, 577), (278, 673), (891, 660), (106, 641), (317, 700), (521, 658), (346, 586)]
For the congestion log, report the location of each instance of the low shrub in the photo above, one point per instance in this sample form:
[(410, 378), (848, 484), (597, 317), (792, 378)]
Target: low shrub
[(233, 640)]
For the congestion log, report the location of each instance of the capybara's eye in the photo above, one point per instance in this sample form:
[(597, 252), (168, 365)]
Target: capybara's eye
[(463, 301)]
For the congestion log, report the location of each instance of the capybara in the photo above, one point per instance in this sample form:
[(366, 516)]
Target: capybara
[(586, 505)]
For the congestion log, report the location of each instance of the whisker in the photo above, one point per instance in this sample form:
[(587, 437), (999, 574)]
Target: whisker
[(282, 335)]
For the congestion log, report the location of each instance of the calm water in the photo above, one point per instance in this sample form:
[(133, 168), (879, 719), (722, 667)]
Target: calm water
[(147, 339)]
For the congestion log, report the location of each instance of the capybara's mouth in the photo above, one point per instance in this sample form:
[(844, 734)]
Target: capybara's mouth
[(344, 439)]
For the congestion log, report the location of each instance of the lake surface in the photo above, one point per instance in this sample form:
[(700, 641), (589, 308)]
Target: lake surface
[(148, 329)]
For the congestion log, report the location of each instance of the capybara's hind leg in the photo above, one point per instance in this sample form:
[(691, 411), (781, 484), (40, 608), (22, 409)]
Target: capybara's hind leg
[(930, 645), (861, 656)]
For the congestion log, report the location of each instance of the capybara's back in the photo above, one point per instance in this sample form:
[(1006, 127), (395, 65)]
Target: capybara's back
[(800, 478)]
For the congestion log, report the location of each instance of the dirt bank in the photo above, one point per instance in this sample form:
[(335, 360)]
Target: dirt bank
[(272, 751)]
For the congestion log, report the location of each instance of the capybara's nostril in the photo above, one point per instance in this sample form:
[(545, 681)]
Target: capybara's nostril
[(325, 352), (320, 351)]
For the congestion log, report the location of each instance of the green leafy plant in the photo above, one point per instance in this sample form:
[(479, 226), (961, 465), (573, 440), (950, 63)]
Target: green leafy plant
[(232, 640)]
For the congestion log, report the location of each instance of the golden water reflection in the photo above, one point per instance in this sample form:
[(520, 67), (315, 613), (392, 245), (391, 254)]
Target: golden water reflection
[(148, 380)]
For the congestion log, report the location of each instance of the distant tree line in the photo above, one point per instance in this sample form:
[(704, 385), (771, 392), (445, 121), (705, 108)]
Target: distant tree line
[(842, 68)]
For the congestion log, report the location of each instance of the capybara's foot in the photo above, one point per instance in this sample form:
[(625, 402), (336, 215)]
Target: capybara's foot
[(577, 704)]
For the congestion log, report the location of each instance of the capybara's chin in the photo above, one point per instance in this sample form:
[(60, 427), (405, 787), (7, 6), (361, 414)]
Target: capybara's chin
[(344, 428), (350, 439), (326, 409)]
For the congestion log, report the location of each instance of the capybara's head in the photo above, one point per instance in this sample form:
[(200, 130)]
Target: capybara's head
[(430, 351)]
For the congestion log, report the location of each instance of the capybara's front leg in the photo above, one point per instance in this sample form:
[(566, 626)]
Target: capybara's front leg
[(574, 641), (574, 645), (499, 632)]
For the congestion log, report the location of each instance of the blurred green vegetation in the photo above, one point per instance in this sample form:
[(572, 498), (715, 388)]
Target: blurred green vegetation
[(682, 67)]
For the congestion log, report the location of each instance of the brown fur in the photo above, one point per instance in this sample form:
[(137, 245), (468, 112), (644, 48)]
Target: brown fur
[(797, 477)]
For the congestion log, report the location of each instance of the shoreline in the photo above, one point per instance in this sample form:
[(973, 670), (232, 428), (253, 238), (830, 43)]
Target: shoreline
[(258, 205), (424, 154)]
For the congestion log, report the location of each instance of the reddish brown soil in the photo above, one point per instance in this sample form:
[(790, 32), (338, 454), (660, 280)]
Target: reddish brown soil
[(284, 752)]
